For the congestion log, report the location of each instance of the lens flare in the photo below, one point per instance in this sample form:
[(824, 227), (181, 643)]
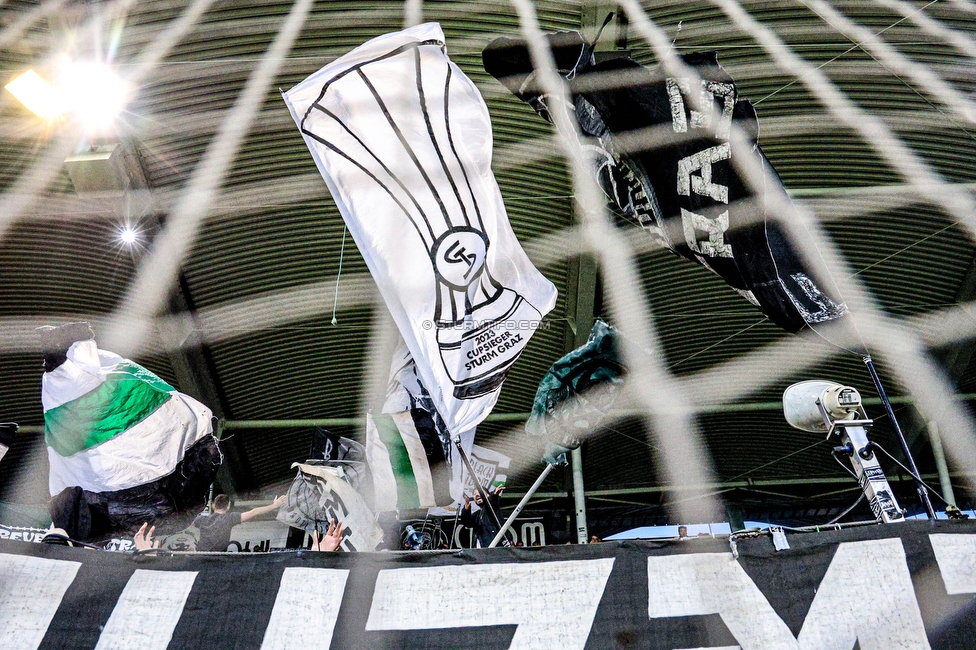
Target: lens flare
[(128, 235), (89, 90), (37, 95), (93, 92)]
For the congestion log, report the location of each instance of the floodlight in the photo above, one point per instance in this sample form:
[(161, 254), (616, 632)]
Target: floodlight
[(812, 405), (40, 97), (128, 235), (94, 92), (801, 405), (89, 90), (820, 406)]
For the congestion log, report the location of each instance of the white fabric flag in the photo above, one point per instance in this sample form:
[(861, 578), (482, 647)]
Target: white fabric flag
[(319, 495), (490, 466), (111, 424), (403, 140)]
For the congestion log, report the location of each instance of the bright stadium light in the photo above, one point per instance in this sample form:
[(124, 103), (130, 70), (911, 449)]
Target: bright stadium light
[(128, 235), (40, 97), (89, 90), (94, 93)]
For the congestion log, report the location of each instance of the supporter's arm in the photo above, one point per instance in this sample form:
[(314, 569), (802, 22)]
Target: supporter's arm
[(263, 510), (496, 497), (466, 518)]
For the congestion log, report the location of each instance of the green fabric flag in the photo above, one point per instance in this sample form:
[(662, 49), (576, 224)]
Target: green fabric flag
[(577, 393), (406, 483), (129, 395)]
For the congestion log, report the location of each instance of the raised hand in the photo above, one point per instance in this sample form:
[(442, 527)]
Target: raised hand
[(331, 540), (143, 540)]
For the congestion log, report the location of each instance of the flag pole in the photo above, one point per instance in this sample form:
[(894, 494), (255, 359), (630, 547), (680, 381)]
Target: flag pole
[(457, 515), (922, 491), (477, 484), (521, 504)]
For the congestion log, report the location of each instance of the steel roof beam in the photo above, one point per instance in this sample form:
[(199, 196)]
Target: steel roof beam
[(189, 357), (724, 485), (955, 359)]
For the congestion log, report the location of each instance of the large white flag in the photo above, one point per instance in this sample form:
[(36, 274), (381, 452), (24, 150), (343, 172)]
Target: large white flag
[(403, 140)]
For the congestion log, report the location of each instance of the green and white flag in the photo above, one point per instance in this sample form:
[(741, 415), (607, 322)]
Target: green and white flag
[(111, 424), (410, 453), (409, 467)]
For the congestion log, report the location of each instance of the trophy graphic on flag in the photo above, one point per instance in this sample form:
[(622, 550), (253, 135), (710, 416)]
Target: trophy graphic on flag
[(405, 145), (471, 314)]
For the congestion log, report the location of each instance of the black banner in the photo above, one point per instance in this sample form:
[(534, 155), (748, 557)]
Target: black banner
[(683, 190), (911, 585)]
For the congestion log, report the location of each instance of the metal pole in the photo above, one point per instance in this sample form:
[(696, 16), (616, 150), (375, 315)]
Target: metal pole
[(940, 463), (477, 485), (521, 504), (457, 515), (579, 496), (922, 492)]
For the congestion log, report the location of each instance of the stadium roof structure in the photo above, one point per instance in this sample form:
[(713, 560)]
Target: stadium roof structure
[(246, 326)]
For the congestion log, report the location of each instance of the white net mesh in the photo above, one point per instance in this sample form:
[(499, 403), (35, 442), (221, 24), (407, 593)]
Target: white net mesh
[(821, 66)]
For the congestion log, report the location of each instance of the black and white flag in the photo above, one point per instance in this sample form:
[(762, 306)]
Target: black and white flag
[(684, 190), (404, 142)]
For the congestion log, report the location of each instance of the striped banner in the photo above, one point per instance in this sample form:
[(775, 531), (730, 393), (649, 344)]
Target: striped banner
[(908, 586)]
